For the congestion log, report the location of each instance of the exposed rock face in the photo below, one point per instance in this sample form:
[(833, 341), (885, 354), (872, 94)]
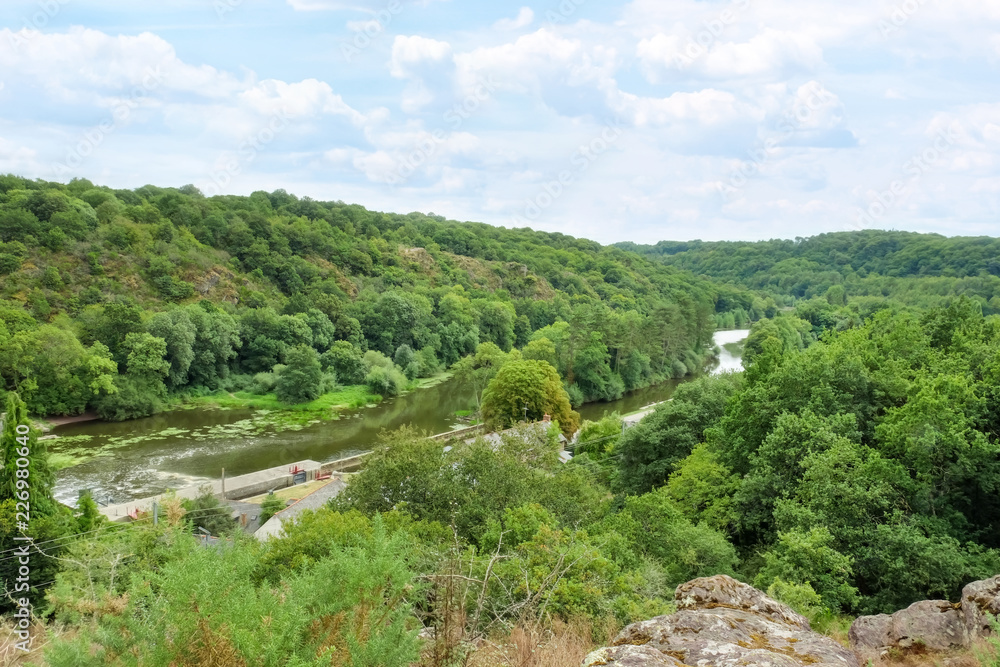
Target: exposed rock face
[(723, 623), (980, 600), (869, 634), (938, 625)]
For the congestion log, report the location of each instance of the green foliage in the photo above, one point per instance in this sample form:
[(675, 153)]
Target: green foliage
[(301, 380), (346, 361), (272, 505), (657, 529), (27, 506), (527, 389), (651, 451), (349, 608), (208, 512), (807, 558)]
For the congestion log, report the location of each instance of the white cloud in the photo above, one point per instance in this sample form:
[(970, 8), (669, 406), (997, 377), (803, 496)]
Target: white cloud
[(524, 18), (410, 53), (304, 98), (769, 53)]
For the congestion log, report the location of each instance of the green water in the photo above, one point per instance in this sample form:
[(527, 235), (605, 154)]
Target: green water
[(128, 460)]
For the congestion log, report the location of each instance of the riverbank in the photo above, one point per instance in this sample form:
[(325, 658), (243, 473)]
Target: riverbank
[(327, 406)]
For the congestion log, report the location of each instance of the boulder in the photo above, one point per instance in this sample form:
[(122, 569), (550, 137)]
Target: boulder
[(727, 593), (870, 635), (937, 625), (630, 656), (721, 622), (980, 602)]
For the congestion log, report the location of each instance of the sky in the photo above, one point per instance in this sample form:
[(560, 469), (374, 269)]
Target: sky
[(640, 120)]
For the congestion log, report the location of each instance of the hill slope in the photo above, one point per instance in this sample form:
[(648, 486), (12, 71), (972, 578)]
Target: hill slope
[(919, 269), (248, 279)]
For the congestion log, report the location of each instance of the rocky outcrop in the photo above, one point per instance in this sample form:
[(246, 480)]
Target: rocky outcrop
[(722, 622), (980, 604), (936, 625)]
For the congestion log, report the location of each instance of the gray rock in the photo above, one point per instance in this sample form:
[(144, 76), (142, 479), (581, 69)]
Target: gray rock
[(723, 623), (936, 624), (630, 656), (980, 603), (871, 634), (721, 591)]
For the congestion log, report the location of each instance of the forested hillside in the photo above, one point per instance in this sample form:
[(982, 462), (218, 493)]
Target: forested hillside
[(916, 269), (856, 475), (113, 299)]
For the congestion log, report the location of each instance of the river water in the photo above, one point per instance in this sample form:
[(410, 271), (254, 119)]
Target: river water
[(134, 459)]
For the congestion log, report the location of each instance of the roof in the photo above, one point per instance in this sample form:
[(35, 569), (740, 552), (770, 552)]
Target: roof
[(313, 501)]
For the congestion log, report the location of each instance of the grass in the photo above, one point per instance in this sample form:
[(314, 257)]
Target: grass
[(296, 492), (432, 381), (326, 406)]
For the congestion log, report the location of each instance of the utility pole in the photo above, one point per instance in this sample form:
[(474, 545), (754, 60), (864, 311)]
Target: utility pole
[(525, 413), (223, 483), (156, 513)]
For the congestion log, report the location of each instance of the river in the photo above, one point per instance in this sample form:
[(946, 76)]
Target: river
[(127, 460)]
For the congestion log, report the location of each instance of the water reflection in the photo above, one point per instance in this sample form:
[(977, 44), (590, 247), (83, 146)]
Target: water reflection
[(139, 458)]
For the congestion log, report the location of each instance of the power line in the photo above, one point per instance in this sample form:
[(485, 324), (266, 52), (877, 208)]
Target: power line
[(110, 529)]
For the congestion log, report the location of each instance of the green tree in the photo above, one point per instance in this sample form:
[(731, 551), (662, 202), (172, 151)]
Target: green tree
[(527, 389), (808, 558), (272, 505), (302, 378)]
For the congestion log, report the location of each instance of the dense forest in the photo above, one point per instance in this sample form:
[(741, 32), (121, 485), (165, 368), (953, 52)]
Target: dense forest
[(855, 474), (917, 269), (115, 300)]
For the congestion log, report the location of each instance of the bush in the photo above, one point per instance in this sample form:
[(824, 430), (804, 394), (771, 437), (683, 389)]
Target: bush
[(576, 397), (301, 381), (136, 397), (386, 381), (272, 505), (404, 356), (346, 361), (263, 383)]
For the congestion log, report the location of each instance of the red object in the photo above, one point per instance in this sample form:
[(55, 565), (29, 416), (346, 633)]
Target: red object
[(294, 469), (324, 475)]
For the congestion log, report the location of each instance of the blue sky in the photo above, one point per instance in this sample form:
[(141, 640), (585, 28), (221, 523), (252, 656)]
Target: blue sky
[(639, 120)]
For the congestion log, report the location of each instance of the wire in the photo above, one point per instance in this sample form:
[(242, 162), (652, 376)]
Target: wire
[(72, 538)]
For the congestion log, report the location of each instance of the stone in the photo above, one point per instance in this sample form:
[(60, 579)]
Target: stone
[(980, 602), (937, 625), (722, 622), (630, 656), (871, 634), (721, 591)]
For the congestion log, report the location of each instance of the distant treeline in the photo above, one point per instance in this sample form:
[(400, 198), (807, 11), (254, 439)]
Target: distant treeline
[(916, 269)]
